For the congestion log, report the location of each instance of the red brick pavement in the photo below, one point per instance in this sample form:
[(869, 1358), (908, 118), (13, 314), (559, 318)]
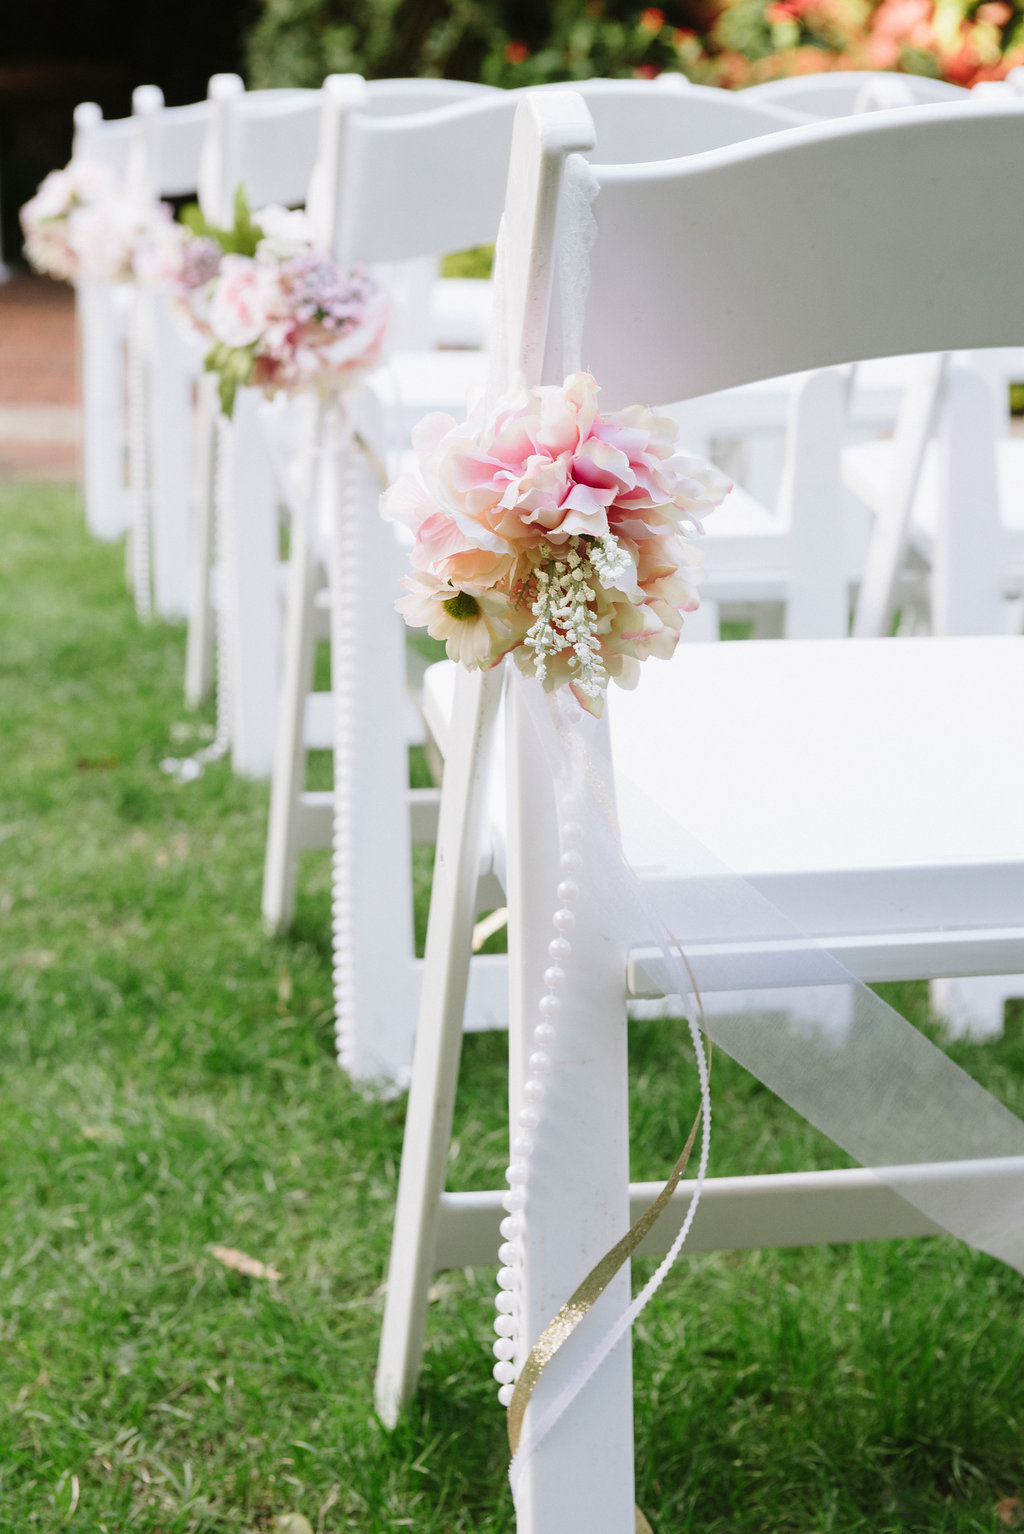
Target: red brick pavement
[(38, 379), (37, 343)]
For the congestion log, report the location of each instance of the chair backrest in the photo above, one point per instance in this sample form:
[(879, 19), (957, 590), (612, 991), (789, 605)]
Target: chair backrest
[(781, 253), (393, 97), (267, 141), (104, 140), (264, 141), (448, 167), (841, 93), (165, 160)]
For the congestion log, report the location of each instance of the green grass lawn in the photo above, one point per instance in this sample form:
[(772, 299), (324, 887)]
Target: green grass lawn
[(167, 1083)]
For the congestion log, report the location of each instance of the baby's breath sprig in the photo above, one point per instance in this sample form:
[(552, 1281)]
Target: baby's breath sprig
[(563, 607)]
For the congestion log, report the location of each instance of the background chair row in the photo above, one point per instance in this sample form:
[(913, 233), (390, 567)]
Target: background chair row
[(786, 558)]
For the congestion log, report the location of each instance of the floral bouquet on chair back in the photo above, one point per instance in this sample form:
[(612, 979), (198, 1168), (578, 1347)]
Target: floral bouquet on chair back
[(279, 314), (80, 224), (552, 533)]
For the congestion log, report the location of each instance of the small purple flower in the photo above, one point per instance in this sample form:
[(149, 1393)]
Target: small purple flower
[(200, 261)]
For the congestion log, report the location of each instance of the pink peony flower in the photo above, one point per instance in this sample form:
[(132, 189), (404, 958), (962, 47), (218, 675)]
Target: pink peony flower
[(242, 304), (571, 520), (79, 224)]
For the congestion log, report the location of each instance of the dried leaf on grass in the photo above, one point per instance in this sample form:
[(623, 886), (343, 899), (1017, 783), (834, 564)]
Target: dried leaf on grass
[(293, 1523), (1011, 1512), (241, 1262)]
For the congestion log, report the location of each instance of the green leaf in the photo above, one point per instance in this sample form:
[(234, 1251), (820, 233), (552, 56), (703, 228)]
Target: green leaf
[(193, 218), (233, 366)]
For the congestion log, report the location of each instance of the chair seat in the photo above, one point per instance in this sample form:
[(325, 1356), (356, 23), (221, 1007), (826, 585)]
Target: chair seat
[(865, 787)]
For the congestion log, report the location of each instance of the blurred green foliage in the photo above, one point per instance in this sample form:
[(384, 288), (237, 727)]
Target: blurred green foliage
[(502, 42), (720, 42)]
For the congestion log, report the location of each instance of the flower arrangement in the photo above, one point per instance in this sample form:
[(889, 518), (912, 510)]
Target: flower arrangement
[(183, 264), (280, 314), (547, 531), (80, 224)]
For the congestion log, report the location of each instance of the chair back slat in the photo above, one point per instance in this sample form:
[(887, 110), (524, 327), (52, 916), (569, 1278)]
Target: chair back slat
[(452, 160), (179, 142), (845, 203), (105, 141), (263, 141)]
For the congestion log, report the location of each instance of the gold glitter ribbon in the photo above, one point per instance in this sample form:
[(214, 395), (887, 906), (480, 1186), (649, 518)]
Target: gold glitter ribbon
[(585, 1296)]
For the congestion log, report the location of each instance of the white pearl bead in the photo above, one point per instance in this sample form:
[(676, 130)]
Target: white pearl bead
[(504, 1373), (564, 920), (505, 1395), (534, 1090), (554, 977), (511, 1226), (518, 1171), (509, 1252), (549, 1006), (503, 1348), (544, 1034), (514, 1199), (528, 1117), (572, 833), (508, 1278), (505, 1302), (522, 1145), (559, 949), (568, 890), (571, 862), (504, 1326), (539, 1062)]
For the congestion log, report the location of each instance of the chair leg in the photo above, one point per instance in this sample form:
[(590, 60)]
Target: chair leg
[(169, 400), (969, 561), (199, 644), (438, 1042), (249, 575), (577, 1192), (289, 777), (812, 495), (101, 340), (375, 979)]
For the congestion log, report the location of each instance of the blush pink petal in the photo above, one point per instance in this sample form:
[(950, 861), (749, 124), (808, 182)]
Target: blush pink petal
[(407, 501), (428, 434)]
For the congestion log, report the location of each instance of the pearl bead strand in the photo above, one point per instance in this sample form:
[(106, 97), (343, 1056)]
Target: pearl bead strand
[(510, 1253)]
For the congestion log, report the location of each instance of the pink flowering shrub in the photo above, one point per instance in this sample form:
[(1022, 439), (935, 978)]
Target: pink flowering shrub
[(552, 533)]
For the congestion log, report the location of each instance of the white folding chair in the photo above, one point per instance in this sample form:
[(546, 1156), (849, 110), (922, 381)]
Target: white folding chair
[(823, 779), (265, 142), (163, 369), (102, 310), (414, 187)]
